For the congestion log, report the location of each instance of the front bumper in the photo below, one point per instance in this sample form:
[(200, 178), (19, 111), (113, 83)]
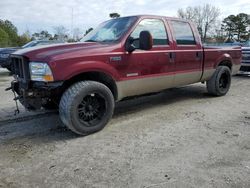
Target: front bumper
[(32, 95), (245, 65), (244, 68)]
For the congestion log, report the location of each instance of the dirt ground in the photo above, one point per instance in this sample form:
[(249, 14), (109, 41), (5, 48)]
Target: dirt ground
[(178, 138)]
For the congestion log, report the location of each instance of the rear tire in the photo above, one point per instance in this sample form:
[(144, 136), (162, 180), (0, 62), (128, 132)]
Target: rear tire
[(219, 84), (86, 107)]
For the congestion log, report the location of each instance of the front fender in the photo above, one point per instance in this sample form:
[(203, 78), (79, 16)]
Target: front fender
[(65, 71)]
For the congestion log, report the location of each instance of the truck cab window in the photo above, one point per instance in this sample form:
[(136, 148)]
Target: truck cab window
[(110, 31), (183, 33), (155, 27)]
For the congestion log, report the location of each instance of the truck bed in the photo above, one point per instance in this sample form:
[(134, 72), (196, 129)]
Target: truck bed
[(213, 55)]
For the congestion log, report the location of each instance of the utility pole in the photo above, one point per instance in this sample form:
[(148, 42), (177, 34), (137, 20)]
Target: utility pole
[(72, 22)]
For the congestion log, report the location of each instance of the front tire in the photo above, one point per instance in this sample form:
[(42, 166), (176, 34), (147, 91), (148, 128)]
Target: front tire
[(219, 84), (86, 107)]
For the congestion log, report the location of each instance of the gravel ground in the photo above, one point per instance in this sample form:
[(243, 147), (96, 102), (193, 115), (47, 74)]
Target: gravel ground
[(178, 138)]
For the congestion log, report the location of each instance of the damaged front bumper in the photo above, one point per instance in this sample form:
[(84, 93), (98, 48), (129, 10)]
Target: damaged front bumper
[(32, 95)]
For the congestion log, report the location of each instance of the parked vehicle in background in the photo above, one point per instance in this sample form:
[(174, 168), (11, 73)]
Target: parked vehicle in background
[(245, 63), (5, 52), (4, 56), (123, 57)]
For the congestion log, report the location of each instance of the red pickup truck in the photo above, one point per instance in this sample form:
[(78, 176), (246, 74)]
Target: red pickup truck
[(123, 57)]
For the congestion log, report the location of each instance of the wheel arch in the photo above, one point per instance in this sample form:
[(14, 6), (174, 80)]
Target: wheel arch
[(226, 63), (225, 60), (97, 76)]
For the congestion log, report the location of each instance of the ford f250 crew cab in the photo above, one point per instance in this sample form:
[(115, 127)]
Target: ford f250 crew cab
[(123, 57)]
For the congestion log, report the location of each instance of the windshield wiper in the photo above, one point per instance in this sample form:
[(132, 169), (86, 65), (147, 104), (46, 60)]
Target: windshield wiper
[(108, 40), (101, 41), (90, 40)]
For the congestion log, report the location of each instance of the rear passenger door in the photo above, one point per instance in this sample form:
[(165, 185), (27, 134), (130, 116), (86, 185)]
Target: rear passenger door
[(187, 53)]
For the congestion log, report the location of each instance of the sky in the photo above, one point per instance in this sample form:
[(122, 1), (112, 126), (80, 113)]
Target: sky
[(37, 15)]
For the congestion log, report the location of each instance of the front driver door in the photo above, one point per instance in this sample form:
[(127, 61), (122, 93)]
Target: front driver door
[(152, 70)]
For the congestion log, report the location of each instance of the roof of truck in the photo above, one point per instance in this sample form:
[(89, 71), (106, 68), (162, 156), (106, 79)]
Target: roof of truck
[(156, 16)]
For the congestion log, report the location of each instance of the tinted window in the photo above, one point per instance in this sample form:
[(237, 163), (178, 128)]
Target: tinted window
[(155, 27), (183, 33)]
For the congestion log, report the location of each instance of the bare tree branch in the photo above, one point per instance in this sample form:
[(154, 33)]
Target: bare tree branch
[(205, 17)]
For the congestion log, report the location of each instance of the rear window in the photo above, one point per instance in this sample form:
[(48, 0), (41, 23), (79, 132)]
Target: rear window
[(183, 33)]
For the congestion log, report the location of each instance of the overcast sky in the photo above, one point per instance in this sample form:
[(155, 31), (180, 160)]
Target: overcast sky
[(36, 15)]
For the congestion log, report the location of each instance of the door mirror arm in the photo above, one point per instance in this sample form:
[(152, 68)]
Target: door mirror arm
[(145, 42), (129, 44)]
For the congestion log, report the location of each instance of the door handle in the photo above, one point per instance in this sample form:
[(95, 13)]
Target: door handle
[(172, 57), (198, 55)]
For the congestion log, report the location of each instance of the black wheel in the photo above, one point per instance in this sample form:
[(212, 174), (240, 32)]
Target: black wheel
[(86, 107), (220, 82)]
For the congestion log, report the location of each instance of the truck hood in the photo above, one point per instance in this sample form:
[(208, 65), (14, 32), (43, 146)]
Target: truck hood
[(62, 51)]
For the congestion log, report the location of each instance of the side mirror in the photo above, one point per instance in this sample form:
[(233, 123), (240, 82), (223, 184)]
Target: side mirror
[(145, 41)]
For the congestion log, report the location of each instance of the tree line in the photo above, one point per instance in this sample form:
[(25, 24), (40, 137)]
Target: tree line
[(206, 17), (9, 35)]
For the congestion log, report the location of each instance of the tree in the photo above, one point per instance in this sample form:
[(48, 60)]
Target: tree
[(42, 35), (4, 38), (23, 39), (11, 30), (9, 35), (114, 15), (61, 33), (88, 30), (228, 25), (77, 34), (45, 35), (205, 17), (237, 25)]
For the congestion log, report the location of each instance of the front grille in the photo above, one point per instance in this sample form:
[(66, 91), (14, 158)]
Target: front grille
[(245, 69), (245, 56), (20, 67)]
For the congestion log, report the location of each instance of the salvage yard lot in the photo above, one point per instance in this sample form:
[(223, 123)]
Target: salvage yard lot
[(7, 105), (178, 138)]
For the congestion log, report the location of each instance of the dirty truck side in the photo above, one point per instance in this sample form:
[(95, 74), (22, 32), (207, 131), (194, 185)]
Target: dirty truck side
[(121, 58)]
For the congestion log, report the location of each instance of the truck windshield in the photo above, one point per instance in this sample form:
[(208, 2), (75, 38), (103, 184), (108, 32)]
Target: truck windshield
[(30, 44), (110, 31)]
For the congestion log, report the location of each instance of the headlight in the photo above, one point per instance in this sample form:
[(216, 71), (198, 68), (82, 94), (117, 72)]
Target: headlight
[(4, 56), (40, 72)]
